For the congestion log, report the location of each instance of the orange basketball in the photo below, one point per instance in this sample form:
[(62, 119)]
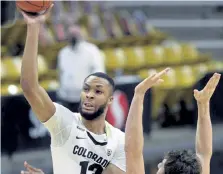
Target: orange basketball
[(33, 6)]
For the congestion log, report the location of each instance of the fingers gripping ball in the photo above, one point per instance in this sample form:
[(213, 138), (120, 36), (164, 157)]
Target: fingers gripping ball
[(33, 6)]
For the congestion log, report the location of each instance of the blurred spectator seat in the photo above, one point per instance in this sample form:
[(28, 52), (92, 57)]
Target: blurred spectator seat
[(12, 68), (134, 58), (50, 85), (140, 20), (3, 71), (17, 34), (184, 76), (144, 73), (126, 23), (115, 58), (190, 53), (200, 70), (173, 54), (10, 75), (215, 66), (4, 50), (170, 81), (154, 55), (111, 26)]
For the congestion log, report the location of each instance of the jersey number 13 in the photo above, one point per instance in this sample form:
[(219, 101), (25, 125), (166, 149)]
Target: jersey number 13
[(94, 167)]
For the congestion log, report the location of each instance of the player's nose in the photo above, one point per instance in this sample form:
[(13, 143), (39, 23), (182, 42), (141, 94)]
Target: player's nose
[(90, 95)]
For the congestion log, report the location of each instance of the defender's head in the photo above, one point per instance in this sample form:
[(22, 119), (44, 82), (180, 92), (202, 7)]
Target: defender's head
[(180, 162), (96, 95)]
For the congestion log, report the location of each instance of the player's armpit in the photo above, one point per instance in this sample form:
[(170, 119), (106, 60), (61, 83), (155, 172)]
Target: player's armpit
[(112, 169), (205, 163), (41, 103)]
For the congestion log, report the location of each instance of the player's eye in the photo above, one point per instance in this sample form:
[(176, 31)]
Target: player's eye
[(85, 89), (98, 92)]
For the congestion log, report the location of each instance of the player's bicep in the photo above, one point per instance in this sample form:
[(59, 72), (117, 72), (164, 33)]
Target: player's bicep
[(40, 103), (134, 165), (205, 163)]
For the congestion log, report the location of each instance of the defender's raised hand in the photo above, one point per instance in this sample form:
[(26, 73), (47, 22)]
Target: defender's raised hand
[(151, 81), (36, 19), (31, 170), (205, 94)]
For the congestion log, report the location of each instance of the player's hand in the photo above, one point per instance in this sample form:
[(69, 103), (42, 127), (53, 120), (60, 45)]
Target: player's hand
[(151, 81), (31, 170), (205, 94), (36, 19)]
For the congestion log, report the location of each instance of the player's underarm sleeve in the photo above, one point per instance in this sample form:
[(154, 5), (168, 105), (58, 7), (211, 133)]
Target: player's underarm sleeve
[(60, 125), (119, 158)]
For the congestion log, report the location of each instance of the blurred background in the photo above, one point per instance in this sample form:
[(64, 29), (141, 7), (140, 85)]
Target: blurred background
[(133, 39)]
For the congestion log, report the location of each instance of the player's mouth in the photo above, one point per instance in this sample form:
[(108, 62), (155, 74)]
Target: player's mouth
[(88, 106)]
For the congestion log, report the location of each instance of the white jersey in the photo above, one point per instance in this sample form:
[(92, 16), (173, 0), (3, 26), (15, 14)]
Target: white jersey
[(76, 150)]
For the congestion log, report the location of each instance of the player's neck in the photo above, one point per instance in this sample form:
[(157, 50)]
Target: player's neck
[(96, 126)]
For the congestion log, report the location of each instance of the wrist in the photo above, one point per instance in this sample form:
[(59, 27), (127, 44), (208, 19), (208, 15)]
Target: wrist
[(33, 30), (204, 104), (139, 92), (203, 108), (139, 95), (33, 26)]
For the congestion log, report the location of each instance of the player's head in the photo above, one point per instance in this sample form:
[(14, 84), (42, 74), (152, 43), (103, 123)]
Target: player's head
[(74, 35), (180, 162), (96, 95)]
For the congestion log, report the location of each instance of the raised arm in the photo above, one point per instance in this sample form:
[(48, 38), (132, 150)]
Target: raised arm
[(204, 127), (134, 131), (37, 97)]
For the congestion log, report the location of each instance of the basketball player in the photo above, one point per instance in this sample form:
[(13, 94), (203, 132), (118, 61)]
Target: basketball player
[(175, 162), (32, 170), (81, 143)]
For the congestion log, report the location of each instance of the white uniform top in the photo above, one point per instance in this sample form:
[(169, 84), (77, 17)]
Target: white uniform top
[(75, 150)]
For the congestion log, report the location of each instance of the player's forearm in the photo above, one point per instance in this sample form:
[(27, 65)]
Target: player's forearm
[(134, 131), (29, 70), (204, 130)]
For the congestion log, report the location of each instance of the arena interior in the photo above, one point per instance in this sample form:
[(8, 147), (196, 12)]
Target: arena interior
[(136, 38)]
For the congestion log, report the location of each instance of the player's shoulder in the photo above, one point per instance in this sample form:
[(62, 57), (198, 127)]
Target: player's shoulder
[(115, 132), (65, 113)]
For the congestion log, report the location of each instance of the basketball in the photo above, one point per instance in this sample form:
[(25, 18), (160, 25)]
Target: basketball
[(33, 6)]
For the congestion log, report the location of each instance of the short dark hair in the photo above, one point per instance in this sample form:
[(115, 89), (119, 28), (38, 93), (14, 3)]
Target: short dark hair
[(182, 162), (104, 76)]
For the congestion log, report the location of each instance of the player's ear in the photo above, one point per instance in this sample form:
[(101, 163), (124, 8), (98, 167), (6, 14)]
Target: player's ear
[(110, 100)]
